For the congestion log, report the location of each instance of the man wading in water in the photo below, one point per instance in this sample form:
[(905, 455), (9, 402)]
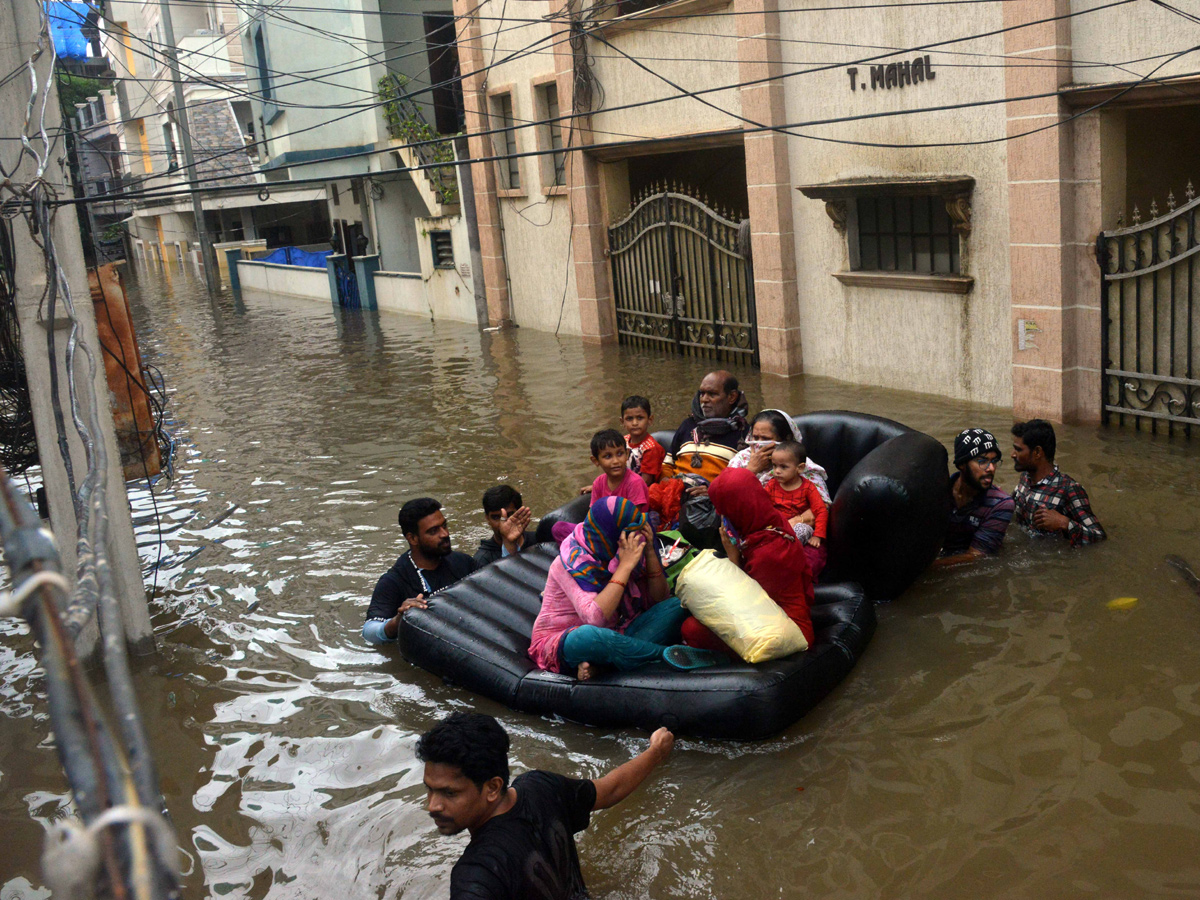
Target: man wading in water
[(430, 565), (981, 511), (522, 835)]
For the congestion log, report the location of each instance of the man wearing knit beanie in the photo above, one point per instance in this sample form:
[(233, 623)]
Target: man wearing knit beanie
[(981, 510)]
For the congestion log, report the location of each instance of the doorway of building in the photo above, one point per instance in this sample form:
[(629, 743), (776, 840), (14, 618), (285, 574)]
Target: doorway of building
[(682, 279), (680, 257), (1150, 300)]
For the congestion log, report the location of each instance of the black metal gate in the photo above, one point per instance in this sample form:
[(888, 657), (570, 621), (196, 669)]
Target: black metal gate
[(1150, 322), (682, 279)]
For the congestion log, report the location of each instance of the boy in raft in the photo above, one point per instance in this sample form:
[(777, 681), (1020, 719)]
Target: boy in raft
[(611, 456), (645, 453), (794, 496)]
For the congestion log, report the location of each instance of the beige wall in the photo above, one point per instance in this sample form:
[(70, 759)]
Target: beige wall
[(539, 266), (949, 344), (446, 293), (1126, 33), (697, 54)]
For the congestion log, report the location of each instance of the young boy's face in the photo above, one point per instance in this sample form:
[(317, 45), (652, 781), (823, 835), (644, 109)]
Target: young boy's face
[(784, 467), (613, 461), (637, 422)]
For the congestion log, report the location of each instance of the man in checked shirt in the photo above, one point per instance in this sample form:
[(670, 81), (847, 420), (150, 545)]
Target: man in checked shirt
[(1046, 500)]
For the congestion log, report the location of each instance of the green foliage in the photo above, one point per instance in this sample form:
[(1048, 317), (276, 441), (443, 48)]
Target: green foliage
[(74, 89), (405, 123)]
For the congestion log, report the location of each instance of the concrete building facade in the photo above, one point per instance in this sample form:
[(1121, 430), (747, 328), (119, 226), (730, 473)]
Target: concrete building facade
[(922, 188)]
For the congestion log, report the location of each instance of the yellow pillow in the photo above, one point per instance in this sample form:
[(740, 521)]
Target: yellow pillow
[(737, 610)]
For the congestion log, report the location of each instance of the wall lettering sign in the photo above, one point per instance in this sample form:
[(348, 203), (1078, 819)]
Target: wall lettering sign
[(893, 75)]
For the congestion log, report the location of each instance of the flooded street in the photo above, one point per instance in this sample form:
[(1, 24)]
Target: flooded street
[(1006, 734)]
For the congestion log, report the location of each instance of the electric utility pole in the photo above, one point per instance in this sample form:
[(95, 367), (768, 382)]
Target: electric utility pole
[(185, 138)]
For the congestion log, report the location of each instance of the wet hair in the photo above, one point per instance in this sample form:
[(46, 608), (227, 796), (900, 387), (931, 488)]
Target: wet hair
[(412, 512), (502, 496), (1037, 433), (633, 401), (777, 422), (477, 745), (609, 437), (793, 447)]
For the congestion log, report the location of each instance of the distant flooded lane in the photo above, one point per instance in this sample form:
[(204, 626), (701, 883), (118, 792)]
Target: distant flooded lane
[(1006, 734)]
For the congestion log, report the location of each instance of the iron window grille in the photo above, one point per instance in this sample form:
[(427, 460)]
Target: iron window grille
[(443, 249), (906, 234), (510, 168), (553, 134)]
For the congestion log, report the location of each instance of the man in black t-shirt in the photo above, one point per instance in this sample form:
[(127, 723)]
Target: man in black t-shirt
[(429, 566), (522, 835)]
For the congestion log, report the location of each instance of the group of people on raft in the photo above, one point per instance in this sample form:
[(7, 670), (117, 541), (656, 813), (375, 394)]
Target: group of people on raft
[(607, 603)]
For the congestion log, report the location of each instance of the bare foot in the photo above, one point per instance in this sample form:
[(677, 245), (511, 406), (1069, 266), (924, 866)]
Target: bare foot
[(585, 672)]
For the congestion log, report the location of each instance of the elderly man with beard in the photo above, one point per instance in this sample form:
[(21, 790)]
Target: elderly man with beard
[(981, 510), (430, 565), (707, 440)]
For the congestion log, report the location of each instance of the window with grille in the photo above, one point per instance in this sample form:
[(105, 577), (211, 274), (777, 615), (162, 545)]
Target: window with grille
[(506, 141), (906, 234), (552, 135), (443, 249)]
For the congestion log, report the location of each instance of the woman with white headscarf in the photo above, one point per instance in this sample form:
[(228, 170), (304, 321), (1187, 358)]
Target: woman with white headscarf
[(767, 429)]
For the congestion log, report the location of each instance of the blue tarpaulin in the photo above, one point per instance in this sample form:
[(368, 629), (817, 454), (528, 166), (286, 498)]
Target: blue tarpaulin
[(66, 28), (294, 256)]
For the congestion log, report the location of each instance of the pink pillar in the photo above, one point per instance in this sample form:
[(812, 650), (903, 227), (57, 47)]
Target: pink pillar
[(483, 174), (768, 184), (1051, 214)]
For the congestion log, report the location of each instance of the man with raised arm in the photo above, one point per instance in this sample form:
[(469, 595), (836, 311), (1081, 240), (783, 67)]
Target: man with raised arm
[(522, 834)]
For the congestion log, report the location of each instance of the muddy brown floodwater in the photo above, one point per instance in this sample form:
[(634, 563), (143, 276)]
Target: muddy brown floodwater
[(1006, 734)]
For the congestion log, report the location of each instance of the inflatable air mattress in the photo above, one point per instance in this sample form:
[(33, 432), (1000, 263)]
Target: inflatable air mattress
[(475, 635), (890, 507)]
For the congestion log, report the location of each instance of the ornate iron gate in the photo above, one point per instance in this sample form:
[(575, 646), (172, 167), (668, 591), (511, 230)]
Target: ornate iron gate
[(1150, 320), (682, 279)]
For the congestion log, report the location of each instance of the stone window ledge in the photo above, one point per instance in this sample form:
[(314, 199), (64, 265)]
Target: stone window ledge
[(908, 281), (657, 15)]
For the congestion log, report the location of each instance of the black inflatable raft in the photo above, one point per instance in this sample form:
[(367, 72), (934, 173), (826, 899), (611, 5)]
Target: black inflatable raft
[(889, 513)]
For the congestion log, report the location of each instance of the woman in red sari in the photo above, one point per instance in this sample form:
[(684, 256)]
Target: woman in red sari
[(763, 544)]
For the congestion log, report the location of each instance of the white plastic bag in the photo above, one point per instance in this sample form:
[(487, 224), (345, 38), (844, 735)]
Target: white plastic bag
[(737, 610)]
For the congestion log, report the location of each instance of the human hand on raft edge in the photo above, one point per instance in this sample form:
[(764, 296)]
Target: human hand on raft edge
[(585, 490), (700, 490), (391, 627), (813, 541)]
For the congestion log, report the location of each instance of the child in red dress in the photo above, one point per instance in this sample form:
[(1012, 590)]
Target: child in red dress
[(799, 500)]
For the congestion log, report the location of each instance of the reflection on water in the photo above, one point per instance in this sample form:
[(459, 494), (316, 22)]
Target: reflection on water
[(1005, 735)]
